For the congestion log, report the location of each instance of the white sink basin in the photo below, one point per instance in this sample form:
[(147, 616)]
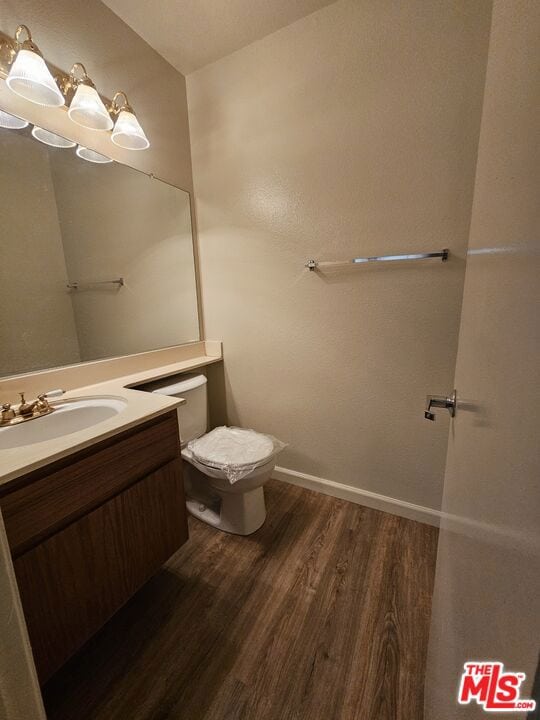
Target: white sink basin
[(69, 416)]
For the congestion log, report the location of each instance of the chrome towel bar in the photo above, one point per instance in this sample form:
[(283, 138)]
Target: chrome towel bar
[(443, 254)]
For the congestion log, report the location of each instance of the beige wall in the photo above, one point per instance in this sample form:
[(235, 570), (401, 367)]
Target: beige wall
[(116, 58), (37, 327), (351, 132), (143, 234), (487, 588)]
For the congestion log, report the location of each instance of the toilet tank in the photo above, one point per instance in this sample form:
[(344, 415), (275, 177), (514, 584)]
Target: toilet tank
[(193, 414)]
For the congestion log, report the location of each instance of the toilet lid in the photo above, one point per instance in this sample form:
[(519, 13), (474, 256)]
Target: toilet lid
[(232, 447)]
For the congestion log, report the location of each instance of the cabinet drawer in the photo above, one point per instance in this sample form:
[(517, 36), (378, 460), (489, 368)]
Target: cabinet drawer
[(72, 583), (46, 500)]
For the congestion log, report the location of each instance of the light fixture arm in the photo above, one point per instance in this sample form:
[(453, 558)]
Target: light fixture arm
[(20, 29), (75, 80), (77, 76), (13, 45), (116, 107)]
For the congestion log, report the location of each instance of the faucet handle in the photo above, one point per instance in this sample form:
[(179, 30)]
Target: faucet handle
[(7, 413), (42, 402)]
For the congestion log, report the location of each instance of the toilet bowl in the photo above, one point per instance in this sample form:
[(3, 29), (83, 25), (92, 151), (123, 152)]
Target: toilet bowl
[(225, 470)]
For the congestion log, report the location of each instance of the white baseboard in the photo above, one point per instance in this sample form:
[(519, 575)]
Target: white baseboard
[(370, 499)]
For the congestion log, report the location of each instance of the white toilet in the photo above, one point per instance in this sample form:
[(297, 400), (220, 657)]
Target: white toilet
[(235, 507)]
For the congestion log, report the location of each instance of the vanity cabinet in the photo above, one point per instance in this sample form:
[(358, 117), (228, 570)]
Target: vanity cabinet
[(89, 530)]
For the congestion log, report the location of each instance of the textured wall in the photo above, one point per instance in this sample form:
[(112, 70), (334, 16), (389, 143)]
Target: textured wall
[(486, 603), (351, 132), (116, 58)]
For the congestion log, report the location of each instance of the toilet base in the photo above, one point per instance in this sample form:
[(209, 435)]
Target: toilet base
[(239, 513)]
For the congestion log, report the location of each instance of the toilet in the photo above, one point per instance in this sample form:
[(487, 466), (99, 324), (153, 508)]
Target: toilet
[(224, 470)]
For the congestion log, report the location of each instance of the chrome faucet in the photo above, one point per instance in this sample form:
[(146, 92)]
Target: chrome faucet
[(440, 401)]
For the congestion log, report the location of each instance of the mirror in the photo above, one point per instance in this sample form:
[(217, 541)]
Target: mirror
[(96, 261)]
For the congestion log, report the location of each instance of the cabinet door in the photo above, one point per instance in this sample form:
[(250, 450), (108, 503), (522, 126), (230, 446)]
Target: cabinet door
[(72, 583)]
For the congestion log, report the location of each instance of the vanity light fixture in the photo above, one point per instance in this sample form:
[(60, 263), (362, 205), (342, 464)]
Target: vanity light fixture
[(92, 155), (86, 107), (127, 132), (29, 76), (49, 138), (11, 122)]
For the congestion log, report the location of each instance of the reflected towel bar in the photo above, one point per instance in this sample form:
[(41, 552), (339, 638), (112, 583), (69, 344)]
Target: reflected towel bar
[(77, 285), (443, 254)]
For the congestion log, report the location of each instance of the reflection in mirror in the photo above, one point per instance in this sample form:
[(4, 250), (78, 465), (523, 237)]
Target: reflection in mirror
[(70, 227)]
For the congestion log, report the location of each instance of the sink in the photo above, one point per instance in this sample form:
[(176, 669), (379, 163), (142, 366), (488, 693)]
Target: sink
[(69, 417)]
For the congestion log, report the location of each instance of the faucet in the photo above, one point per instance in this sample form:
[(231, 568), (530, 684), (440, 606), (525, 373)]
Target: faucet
[(440, 401), (25, 410)]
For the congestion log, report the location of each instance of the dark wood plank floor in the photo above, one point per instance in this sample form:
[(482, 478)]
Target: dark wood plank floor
[(322, 614)]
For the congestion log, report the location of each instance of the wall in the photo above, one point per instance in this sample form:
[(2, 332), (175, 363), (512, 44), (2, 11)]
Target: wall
[(37, 326), (487, 590), (351, 132), (116, 58), (144, 236)]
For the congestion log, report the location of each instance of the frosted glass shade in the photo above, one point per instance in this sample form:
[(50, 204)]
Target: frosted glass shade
[(87, 109), (52, 139), (11, 122), (128, 132), (91, 155), (30, 78)]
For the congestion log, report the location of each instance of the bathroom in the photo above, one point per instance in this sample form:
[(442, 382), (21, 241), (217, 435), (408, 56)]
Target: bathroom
[(249, 478)]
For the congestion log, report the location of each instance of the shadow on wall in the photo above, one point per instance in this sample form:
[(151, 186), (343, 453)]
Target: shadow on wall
[(217, 395)]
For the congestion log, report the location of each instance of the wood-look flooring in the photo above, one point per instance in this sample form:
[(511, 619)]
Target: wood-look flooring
[(323, 614)]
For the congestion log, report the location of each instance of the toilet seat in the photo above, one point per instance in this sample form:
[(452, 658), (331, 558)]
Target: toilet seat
[(231, 447)]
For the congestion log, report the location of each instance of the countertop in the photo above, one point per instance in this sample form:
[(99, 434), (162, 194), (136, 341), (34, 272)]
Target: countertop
[(141, 406)]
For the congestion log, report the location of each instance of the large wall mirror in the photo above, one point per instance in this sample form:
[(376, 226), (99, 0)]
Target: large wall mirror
[(96, 261)]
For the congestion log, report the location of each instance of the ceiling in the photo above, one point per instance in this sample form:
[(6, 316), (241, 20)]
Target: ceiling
[(193, 33)]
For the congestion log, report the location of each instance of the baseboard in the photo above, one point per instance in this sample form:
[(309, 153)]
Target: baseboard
[(420, 513)]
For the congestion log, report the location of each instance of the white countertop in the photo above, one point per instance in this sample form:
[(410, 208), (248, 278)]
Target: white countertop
[(141, 406)]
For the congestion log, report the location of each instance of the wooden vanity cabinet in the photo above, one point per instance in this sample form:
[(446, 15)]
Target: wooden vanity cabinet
[(87, 531)]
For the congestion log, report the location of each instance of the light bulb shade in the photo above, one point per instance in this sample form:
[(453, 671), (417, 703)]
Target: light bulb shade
[(87, 109), (128, 132), (30, 78), (51, 139), (92, 155), (11, 122)]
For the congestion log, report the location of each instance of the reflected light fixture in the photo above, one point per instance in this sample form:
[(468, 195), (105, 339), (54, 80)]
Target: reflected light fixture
[(11, 122), (127, 132), (92, 155), (86, 107), (29, 76), (49, 138)]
